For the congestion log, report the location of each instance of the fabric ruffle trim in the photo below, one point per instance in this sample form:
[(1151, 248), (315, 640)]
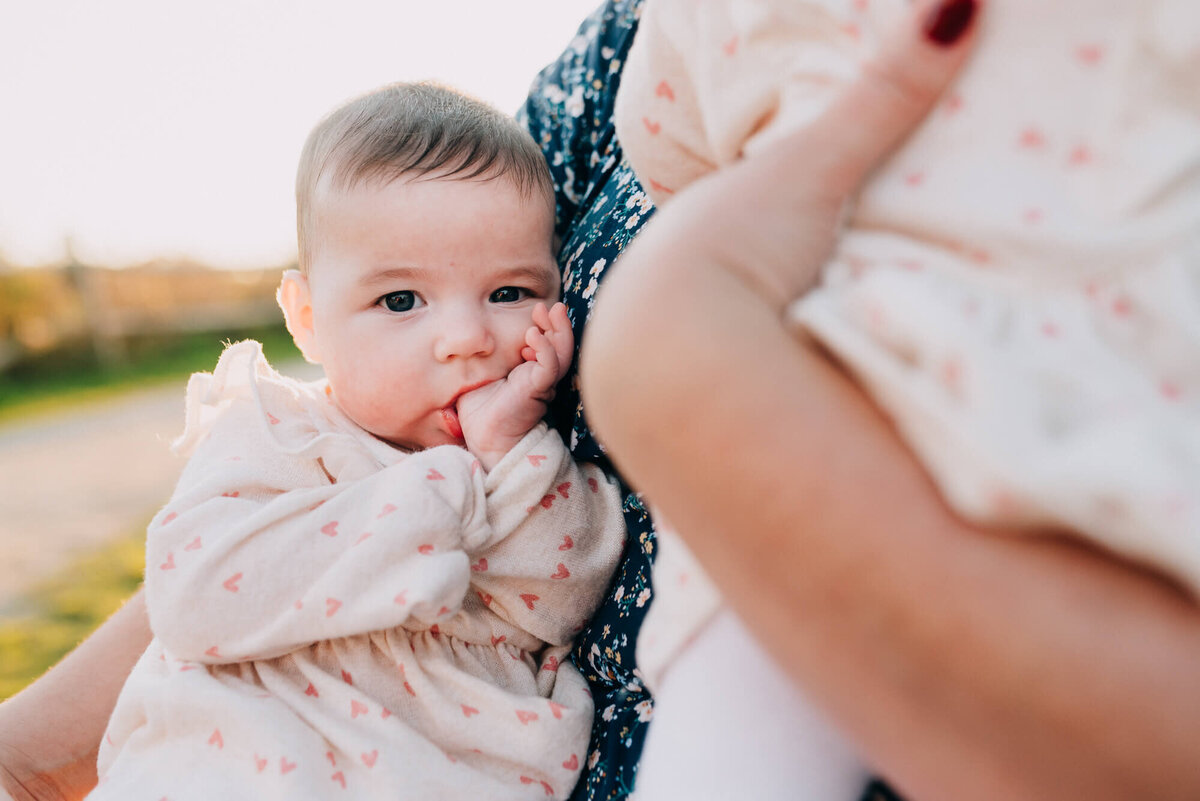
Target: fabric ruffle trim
[(300, 417)]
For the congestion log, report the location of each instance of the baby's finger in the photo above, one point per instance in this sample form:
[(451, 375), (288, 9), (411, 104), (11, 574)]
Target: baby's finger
[(536, 338), (541, 318), (561, 335), (557, 318), (546, 360), (534, 343)]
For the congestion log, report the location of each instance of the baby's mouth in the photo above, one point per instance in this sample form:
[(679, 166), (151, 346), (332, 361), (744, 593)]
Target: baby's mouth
[(450, 422), (450, 419)]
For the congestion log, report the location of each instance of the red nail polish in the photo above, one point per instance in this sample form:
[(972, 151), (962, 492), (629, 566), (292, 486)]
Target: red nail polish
[(949, 20)]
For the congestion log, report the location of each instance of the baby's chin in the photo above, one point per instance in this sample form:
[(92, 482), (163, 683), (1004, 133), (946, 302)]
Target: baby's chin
[(419, 441)]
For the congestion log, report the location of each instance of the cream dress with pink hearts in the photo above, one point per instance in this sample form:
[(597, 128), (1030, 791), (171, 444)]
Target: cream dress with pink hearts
[(1018, 287), (334, 617)]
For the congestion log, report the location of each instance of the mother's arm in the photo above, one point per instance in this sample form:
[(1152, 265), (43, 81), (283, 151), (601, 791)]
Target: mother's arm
[(966, 664), (50, 732)]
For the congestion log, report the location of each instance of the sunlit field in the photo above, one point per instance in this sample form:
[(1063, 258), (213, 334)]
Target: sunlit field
[(65, 608), (67, 352)]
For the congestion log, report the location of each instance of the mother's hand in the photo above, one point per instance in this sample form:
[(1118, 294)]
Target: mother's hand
[(50, 732), (773, 219)]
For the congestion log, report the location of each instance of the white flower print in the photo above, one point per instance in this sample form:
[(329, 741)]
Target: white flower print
[(574, 104), (554, 93)]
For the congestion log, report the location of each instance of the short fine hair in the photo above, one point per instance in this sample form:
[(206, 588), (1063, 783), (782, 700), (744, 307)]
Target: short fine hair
[(414, 129)]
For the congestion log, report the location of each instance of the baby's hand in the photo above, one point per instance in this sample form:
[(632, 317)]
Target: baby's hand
[(495, 417)]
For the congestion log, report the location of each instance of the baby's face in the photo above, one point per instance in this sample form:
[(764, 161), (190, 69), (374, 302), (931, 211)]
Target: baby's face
[(422, 290)]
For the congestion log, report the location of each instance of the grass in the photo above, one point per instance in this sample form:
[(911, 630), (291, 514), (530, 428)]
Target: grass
[(61, 611), (73, 376)]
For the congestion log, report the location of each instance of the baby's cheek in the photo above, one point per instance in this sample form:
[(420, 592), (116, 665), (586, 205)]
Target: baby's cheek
[(511, 350), (371, 405), (391, 404)]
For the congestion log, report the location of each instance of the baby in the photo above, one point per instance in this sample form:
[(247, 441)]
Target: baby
[(366, 586), (1018, 288)]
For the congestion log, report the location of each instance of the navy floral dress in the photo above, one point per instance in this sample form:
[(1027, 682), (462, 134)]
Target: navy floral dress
[(600, 207)]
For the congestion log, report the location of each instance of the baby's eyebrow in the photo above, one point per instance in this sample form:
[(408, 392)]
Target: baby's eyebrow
[(527, 274), (536, 275), (393, 274)]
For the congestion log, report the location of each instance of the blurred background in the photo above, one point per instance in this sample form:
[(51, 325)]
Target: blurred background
[(147, 154)]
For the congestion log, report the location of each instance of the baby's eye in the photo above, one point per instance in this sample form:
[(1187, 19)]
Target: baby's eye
[(509, 294), (403, 301)]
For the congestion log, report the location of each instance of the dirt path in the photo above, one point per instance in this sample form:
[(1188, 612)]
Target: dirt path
[(72, 482)]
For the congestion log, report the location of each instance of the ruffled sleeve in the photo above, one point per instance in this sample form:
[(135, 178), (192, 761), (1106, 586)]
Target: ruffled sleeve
[(283, 531)]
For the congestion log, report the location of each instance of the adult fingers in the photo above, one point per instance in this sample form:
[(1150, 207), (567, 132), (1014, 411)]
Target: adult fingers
[(916, 60)]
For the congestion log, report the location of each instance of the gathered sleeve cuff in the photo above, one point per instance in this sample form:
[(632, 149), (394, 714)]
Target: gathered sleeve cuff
[(557, 533)]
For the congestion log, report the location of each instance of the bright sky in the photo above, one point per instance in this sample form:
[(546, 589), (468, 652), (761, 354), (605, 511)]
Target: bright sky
[(144, 128)]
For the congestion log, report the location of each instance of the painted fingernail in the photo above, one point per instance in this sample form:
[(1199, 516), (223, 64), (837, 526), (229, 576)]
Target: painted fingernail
[(949, 20)]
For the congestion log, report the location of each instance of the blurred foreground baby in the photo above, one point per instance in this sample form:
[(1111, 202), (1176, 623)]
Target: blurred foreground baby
[(1018, 289)]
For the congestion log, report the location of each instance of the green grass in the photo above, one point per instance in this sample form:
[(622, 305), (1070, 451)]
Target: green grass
[(61, 611), (73, 376)]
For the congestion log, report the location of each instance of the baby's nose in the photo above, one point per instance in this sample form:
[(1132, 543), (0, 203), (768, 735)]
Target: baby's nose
[(464, 333)]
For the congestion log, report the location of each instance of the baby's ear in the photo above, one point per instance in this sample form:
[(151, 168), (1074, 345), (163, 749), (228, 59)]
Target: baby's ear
[(295, 299)]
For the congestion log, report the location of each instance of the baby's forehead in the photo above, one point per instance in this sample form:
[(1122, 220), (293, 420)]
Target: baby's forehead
[(333, 187), (414, 219)]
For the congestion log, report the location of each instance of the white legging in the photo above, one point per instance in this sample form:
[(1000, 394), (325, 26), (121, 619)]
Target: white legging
[(729, 725)]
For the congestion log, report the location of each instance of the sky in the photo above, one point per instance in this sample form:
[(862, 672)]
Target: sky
[(140, 129)]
